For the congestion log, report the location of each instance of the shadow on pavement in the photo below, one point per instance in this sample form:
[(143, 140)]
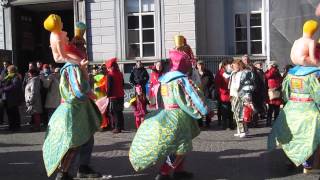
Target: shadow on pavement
[(235, 164)]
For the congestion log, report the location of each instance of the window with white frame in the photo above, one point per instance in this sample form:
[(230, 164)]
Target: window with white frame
[(140, 29), (248, 23), (248, 33)]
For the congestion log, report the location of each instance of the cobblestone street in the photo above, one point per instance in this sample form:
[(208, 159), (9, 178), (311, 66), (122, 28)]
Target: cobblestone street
[(217, 155)]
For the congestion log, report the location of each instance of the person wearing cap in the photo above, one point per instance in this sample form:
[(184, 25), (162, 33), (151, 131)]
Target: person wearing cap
[(167, 135), (296, 129), (115, 92), (139, 76), (207, 86), (273, 81)]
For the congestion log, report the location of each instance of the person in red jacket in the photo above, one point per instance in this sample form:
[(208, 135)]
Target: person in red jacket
[(273, 81), (157, 71), (223, 94), (115, 92)]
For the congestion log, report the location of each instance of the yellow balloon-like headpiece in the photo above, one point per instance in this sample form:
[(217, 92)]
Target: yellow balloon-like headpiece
[(179, 41), (53, 23), (310, 27)]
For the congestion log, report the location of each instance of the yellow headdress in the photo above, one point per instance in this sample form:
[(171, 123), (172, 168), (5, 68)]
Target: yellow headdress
[(179, 41), (53, 23), (310, 27)]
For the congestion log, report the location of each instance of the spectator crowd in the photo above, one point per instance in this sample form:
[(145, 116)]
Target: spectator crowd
[(240, 94)]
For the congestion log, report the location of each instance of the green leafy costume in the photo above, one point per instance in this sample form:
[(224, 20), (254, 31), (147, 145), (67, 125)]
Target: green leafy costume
[(297, 128), (75, 120), (172, 129)]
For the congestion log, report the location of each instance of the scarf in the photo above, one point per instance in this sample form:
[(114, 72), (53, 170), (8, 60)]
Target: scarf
[(9, 76)]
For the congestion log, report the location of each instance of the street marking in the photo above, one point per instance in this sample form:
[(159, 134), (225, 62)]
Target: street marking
[(130, 175), (21, 163)]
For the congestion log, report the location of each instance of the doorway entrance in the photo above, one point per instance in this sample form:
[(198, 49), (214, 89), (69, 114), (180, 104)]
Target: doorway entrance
[(30, 39)]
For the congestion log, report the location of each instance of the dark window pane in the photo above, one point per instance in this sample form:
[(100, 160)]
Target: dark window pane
[(241, 34), (147, 5), (134, 51), (241, 48), (255, 34), (133, 36), (256, 47), (255, 20), (132, 6), (148, 36), (128, 67), (147, 21), (133, 22), (148, 50), (241, 20)]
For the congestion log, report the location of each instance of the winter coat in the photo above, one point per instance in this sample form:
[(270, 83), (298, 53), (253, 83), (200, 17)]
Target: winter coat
[(33, 96), (207, 83), (221, 84), (51, 83), (11, 90), (274, 81), (260, 90)]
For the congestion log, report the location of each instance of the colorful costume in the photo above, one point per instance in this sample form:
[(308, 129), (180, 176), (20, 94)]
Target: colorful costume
[(139, 104), (72, 125), (74, 121), (99, 85), (172, 129), (297, 127)]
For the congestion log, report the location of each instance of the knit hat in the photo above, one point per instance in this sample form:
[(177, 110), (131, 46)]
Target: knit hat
[(111, 62)]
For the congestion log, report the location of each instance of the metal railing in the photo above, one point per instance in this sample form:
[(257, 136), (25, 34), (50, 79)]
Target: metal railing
[(212, 61)]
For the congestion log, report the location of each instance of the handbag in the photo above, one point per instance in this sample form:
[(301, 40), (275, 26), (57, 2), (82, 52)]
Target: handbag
[(274, 93), (247, 113)]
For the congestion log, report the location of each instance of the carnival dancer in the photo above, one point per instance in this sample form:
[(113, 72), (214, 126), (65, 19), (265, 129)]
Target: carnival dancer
[(297, 127), (72, 126), (171, 130)]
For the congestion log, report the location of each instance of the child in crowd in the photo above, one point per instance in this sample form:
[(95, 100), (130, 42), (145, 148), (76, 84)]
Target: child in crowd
[(139, 104)]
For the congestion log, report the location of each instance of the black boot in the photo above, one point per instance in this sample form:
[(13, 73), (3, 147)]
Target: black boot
[(163, 177), (63, 176), (87, 172), (268, 122), (182, 175)]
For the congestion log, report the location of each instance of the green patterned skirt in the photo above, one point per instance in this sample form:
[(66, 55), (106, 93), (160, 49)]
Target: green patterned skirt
[(168, 132), (70, 126), (297, 131)]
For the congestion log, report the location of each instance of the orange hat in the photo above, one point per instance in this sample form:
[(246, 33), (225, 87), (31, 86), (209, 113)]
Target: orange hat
[(111, 62)]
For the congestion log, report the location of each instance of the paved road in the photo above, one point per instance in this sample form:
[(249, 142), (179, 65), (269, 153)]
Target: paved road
[(217, 155)]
